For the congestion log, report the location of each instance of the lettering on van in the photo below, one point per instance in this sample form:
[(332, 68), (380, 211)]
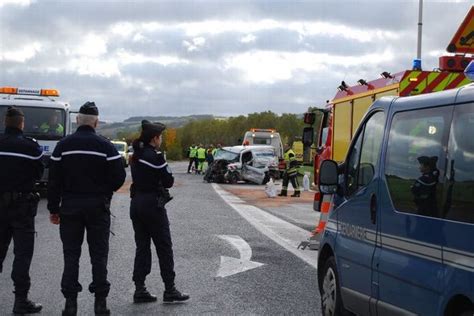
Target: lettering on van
[(44, 148), (352, 231)]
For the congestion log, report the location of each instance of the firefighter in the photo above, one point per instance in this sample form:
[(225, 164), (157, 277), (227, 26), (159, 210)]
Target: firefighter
[(84, 172), (424, 188), (201, 156), (20, 167), (192, 154), (291, 173), (152, 178)]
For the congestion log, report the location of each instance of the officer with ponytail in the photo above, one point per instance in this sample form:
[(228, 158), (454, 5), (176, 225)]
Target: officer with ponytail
[(152, 178)]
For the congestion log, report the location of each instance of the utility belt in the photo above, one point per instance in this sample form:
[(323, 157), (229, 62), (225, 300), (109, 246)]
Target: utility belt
[(163, 195), (10, 197)]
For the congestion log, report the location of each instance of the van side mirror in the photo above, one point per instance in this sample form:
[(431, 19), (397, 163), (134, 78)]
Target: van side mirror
[(308, 134), (328, 177)]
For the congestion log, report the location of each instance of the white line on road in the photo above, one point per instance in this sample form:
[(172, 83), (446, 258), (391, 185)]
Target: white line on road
[(283, 233), (230, 266)]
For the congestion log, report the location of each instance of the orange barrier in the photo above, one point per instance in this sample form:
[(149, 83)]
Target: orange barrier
[(325, 207)]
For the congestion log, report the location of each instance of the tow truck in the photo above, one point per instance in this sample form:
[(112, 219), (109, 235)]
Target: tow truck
[(41, 108)]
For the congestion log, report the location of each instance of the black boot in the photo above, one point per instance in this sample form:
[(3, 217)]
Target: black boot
[(283, 193), (141, 295), (173, 295), (71, 307), (296, 194), (24, 306), (100, 306)]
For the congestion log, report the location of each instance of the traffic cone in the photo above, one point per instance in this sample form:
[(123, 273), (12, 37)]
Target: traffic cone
[(326, 204), (325, 207)]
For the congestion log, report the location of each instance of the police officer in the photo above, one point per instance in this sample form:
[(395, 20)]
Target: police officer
[(291, 173), (20, 167), (85, 170), (149, 191), (424, 188)]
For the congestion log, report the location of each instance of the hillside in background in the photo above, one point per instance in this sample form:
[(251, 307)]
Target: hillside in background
[(132, 124)]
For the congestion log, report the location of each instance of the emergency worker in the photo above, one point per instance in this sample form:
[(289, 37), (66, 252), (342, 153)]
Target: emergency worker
[(209, 155), (20, 167), (84, 172), (291, 173), (424, 188), (52, 127), (215, 150), (152, 178), (192, 154), (201, 156)]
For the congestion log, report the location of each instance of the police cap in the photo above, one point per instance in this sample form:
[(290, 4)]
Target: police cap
[(429, 161), (13, 112), (155, 128), (89, 108)]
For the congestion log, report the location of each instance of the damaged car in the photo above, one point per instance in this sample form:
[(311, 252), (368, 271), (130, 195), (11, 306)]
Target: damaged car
[(255, 164)]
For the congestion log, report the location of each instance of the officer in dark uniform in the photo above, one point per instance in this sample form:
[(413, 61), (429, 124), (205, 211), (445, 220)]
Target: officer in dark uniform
[(85, 170), (424, 188), (20, 168), (149, 191)]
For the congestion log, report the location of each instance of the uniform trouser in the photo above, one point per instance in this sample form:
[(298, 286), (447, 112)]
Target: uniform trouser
[(17, 222), (191, 161), (150, 222), (201, 163), (74, 222), (293, 178)]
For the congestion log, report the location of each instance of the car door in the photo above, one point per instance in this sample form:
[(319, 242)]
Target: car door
[(249, 172), (357, 217), (409, 260)]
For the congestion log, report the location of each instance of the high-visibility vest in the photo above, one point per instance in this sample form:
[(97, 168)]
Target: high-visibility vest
[(192, 152), (291, 163), (46, 128), (201, 153), (289, 156)]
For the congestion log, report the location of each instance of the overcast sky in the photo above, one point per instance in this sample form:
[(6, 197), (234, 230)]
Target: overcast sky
[(213, 57)]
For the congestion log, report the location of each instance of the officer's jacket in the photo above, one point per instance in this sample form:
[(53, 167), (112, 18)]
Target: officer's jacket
[(20, 162), (424, 192), (150, 171), (84, 164)]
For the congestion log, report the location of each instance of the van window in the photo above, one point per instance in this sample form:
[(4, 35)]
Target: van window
[(415, 159), (458, 191), (362, 161)]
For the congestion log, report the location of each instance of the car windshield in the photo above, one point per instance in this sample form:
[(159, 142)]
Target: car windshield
[(265, 153), (120, 147), (40, 123), (226, 155)]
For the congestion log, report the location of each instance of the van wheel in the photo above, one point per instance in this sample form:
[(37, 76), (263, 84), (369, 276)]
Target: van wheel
[(331, 301)]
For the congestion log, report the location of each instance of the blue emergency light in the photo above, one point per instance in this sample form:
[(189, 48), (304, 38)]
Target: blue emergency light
[(469, 71)]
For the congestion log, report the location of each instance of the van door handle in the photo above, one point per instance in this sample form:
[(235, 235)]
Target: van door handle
[(373, 208)]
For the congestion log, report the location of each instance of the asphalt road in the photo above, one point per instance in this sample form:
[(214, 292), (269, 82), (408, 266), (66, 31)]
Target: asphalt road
[(283, 285)]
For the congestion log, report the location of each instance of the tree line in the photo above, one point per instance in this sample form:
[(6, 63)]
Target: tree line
[(227, 132)]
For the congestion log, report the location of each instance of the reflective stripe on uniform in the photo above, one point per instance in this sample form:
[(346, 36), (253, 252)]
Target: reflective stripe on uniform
[(152, 165), (6, 153)]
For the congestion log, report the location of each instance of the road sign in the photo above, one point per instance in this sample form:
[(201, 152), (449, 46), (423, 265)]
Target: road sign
[(463, 40)]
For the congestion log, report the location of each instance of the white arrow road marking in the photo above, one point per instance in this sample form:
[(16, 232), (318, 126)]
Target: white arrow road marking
[(283, 233), (229, 265)]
